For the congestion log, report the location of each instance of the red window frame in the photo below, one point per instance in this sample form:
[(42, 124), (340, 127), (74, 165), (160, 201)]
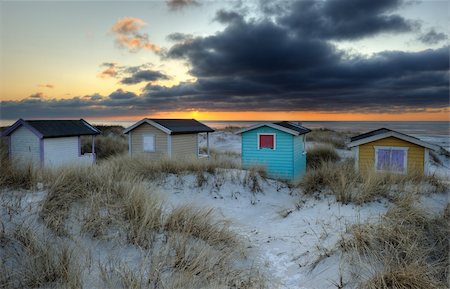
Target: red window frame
[(266, 141)]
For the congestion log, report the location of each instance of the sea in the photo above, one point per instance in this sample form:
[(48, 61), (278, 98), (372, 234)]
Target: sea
[(437, 132)]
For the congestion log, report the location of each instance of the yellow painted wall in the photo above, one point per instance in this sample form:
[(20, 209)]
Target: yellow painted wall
[(416, 154)]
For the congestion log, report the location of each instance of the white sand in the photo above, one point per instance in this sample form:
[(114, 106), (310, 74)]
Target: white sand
[(286, 248)]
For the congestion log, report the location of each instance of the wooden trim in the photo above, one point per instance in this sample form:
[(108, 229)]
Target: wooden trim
[(90, 126), (169, 145), (198, 147), (79, 146), (269, 124), (207, 144), (396, 135), (17, 124), (356, 155), (426, 161), (130, 152), (150, 122), (94, 155), (274, 139), (41, 152)]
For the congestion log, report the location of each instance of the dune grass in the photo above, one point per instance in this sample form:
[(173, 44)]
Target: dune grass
[(14, 176), (407, 248), (105, 146), (327, 136), (153, 169), (28, 260), (348, 185), (320, 154), (201, 224), (192, 246)]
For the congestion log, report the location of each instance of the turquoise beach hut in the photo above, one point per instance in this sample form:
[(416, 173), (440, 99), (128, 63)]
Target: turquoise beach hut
[(278, 146)]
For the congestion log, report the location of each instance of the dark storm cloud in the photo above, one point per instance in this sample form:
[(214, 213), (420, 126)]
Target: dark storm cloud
[(121, 94), (132, 74), (144, 76), (266, 65), (432, 37), (118, 102), (345, 19), (281, 62), (252, 48), (177, 36)]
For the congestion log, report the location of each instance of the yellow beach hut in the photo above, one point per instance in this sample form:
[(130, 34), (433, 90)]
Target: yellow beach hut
[(385, 150)]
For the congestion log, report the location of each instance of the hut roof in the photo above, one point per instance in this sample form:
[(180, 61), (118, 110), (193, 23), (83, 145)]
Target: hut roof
[(174, 125), (54, 128)]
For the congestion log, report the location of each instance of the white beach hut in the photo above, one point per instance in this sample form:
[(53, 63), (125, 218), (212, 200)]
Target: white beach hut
[(49, 143)]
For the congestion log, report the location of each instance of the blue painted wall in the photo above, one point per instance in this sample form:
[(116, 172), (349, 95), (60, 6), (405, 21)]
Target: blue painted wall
[(285, 162)]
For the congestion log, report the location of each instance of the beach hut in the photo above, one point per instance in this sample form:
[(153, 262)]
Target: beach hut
[(385, 150), (49, 143), (278, 146), (157, 138)]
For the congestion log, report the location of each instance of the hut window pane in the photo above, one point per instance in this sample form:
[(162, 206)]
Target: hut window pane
[(391, 159), (149, 143), (266, 141)]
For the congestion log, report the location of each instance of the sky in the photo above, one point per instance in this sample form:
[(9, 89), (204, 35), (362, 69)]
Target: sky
[(225, 60)]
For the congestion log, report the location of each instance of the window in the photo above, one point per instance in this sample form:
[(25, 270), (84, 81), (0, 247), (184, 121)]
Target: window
[(392, 159), (148, 143), (266, 141)]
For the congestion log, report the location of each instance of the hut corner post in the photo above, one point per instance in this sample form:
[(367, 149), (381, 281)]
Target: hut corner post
[(207, 144), (93, 149)]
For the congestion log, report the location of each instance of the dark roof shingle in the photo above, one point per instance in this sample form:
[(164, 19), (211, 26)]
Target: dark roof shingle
[(294, 127), (181, 126), (56, 128), (370, 133)]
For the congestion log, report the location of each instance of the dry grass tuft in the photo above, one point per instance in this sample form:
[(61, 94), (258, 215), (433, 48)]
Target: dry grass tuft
[(29, 261), (348, 185), (144, 215), (15, 176), (253, 178), (111, 142), (186, 247), (328, 136), (404, 250), (156, 169), (320, 154), (70, 185), (201, 224), (105, 146), (406, 276)]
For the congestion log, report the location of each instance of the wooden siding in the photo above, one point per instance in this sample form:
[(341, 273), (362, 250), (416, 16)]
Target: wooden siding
[(184, 145), (60, 151), (25, 146), (137, 141), (415, 154), (299, 156), (279, 162)]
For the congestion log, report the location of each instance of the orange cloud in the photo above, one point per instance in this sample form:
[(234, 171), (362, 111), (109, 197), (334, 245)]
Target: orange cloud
[(110, 71), (128, 35)]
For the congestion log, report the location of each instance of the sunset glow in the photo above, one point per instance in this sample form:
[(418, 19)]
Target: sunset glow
[(118, 61)]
